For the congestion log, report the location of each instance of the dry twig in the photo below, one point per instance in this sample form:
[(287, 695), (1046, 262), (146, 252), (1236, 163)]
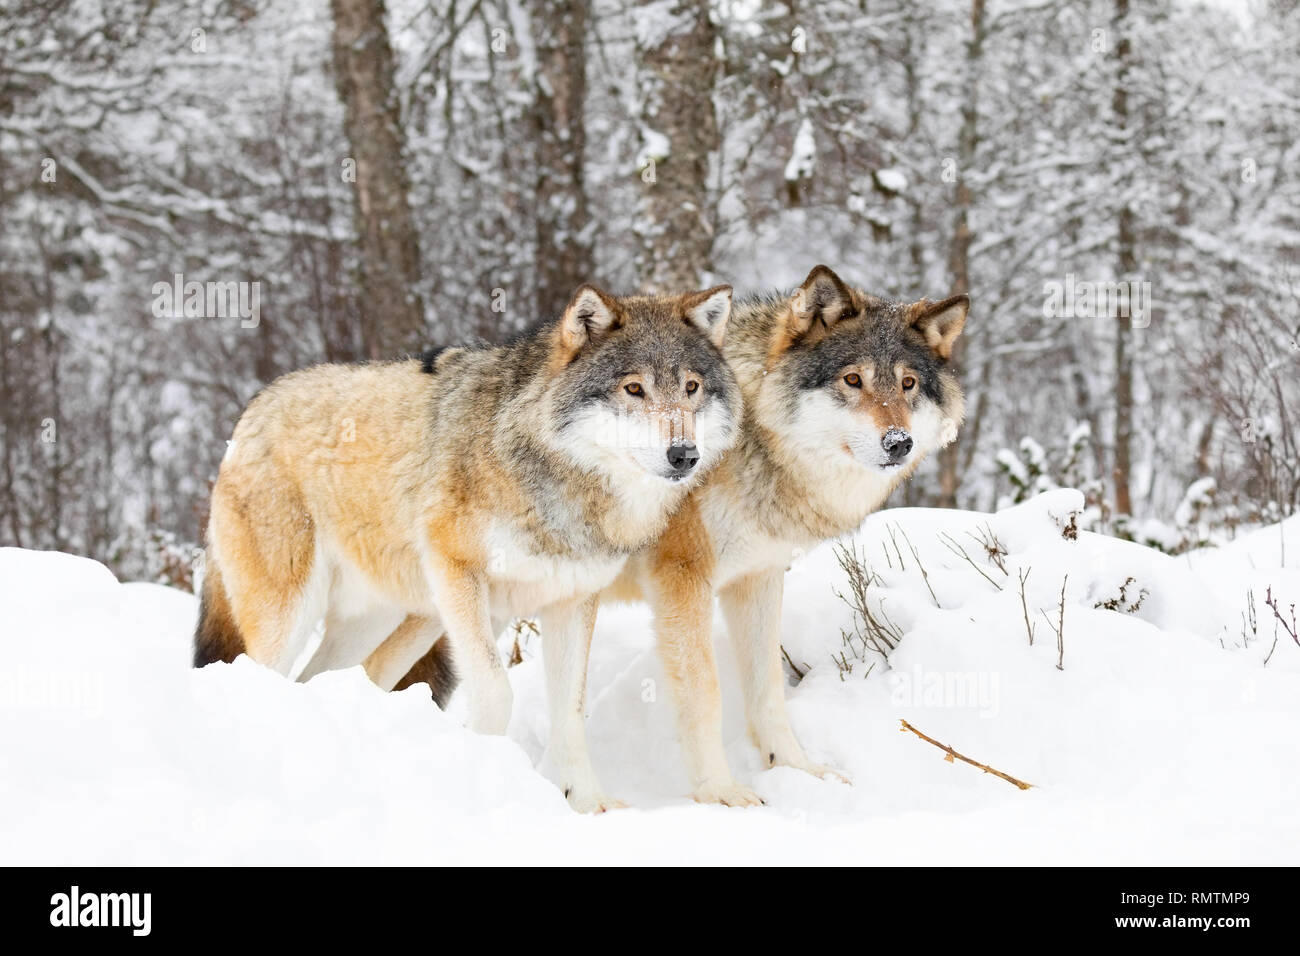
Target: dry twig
[(519, 627), (1024, 604), (1059, 628), (925, 575), (874, 631), (993, 548), (954, 755), (797, 672), (1291, 628), (902, 566), (958, 550)]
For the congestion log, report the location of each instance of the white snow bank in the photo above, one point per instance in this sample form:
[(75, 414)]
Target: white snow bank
[(1161, 741)]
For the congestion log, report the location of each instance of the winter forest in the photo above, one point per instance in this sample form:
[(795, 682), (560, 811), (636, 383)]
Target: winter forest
[(1115, 182)]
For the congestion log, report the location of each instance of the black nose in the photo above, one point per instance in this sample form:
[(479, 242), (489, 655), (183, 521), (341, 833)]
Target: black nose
[(683, 457), (897, 444)]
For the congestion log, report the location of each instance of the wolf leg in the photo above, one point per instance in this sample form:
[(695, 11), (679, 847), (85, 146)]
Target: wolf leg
[(461, 595), (410, 641), (348, 641), (437, 669), (275, 580), (683, 609), (752, 608), (566, 644)]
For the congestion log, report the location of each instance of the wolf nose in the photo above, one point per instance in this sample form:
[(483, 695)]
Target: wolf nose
[(683, 457), (897, 444)]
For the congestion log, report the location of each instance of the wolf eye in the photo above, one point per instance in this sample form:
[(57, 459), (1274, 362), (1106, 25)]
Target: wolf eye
[(853, 380), (634, 388), (692, 387), (909, 383)]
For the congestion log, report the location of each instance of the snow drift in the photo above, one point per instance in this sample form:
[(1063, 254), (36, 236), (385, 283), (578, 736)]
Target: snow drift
[(1162, 737)]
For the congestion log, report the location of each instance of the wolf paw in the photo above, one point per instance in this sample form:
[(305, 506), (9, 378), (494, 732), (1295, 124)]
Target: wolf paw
[(592, 801), (801, 762), (728, 793)]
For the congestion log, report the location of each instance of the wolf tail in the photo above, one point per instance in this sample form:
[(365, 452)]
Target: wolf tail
[(216, 638), (436, 669)]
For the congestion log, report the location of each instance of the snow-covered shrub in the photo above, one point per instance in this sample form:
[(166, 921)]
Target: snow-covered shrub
[(872, 636), (1195, 522), (1031, 470)]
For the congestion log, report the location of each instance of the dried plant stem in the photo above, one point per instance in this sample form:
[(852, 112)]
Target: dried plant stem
[(988, 540), (797, 672), (1291, 628), (954, 755), (1059, 628), (958, 550), (902, 565), (925, 575), (1024, 604)]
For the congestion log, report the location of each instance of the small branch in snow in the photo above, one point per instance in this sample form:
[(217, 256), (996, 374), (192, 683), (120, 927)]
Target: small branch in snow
[(988, 540), (797, 672), (951, 544), (1059, 628), (954, 755), (1291, 628), (871, 632), (925, 575), (1123, 602), (521, 626), (1024, 604), (902, 566), (1271, 649), (1250, 621)]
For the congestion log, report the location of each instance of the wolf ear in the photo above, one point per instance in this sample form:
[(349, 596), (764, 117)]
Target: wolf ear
[(709, 310), (939, 322), (589, 315), (823, 298)]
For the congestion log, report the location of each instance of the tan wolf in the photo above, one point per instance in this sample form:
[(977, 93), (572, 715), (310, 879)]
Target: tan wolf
[(395, 502), (845, 393)]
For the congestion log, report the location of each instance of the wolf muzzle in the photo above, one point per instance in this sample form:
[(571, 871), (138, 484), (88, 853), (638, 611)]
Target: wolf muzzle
[(683, 458), (897, 445)]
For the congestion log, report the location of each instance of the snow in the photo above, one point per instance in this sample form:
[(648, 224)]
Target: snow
[(803, 155), (891, 180), (655, 22), (1162, 739), (1199, 496), (655, 147), (1015, 469)]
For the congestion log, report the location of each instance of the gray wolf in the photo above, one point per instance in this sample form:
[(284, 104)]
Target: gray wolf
[(396, 502), (845, 393)]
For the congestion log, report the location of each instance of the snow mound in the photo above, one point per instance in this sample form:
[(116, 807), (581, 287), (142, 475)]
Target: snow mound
[(1161, 737)]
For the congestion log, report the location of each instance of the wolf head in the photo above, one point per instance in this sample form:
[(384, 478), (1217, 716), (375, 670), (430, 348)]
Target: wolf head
[(852, 378), (643, 391)]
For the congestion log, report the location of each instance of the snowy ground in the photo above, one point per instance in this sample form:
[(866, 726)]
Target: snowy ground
[(1164, 740)]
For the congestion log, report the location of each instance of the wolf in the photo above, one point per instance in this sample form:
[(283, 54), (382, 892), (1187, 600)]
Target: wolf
[(845, 394), (397, 502)]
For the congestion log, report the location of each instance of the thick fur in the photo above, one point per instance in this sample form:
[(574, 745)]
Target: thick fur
[(810, 465), (402, 501)]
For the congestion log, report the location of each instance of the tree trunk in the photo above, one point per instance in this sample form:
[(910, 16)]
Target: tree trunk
[(564, 257), (959, 252), (676, 74), (1127, 264), (391, 312)]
